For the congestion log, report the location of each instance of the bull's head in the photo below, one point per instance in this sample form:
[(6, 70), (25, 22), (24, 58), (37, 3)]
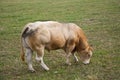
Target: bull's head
[(86, 54)]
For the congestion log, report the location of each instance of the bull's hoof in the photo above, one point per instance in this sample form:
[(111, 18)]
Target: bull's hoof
[(69, 64), (32, 71), (47, 69), (76, 61)]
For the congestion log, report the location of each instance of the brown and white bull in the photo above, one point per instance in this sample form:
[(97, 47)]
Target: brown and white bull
[(52, 35)]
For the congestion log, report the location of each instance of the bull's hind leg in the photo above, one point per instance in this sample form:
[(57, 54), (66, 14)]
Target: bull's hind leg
[(29, 59), (39, 57)]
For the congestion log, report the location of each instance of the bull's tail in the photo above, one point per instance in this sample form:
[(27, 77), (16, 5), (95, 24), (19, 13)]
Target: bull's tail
[(23, 35), (22, 51)]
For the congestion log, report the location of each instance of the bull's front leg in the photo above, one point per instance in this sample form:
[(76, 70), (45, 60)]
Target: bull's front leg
[(67, 58), (69, 48), (75, 57), (39, 57)]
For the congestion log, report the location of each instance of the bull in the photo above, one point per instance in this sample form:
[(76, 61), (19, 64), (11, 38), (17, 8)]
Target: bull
[(52, 35)]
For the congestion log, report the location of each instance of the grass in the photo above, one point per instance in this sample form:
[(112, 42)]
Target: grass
[(100, 19)]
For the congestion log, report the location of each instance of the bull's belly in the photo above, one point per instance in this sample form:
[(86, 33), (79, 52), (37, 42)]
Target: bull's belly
[(54, 46)]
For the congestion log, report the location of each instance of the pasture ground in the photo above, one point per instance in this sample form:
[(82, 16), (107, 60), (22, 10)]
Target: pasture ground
[(100, 19)]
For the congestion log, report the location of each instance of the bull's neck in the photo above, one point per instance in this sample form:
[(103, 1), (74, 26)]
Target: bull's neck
[(83, 44)]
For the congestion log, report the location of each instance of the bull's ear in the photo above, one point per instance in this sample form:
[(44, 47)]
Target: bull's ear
[(91, 48)]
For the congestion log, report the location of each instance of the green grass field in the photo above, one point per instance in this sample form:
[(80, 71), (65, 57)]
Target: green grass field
[(100, 19)]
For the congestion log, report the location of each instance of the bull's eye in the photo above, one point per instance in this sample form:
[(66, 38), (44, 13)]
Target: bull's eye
[(88, 55)]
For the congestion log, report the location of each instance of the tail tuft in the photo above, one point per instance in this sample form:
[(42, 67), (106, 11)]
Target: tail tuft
[(22, 52), (23, 56)]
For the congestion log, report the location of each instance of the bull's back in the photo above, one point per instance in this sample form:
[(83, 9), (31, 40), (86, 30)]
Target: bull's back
[(52, 35)]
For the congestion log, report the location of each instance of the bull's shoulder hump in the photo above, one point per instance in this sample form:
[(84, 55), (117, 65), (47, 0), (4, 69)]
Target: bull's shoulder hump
[(73, 25), (45, 22)]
